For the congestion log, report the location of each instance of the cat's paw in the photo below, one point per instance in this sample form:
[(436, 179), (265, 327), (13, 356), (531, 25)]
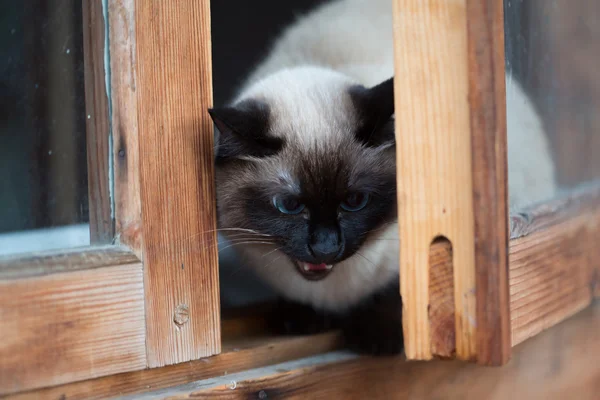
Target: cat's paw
[(291, 318)]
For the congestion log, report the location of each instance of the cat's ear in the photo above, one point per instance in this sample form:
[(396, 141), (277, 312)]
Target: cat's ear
[(242, 131), (375, 108)]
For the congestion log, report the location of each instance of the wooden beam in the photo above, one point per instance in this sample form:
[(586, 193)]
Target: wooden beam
[(72, 325), (444, 113), (48, 263), (97, 125), (174, 91), (554, 269), (124, 125), (561, 363), (237, 356), (554, 261), (487, 102), (435, 185)]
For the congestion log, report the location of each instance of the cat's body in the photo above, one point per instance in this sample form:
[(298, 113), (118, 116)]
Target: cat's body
[(302, 110)]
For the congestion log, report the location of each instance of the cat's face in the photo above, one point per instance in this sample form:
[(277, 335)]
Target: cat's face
[(307, 170)]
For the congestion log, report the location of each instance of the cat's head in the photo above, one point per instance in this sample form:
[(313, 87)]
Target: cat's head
[(306, 164)]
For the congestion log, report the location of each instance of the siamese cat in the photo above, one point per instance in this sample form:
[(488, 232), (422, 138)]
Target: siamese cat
[(306, 172)]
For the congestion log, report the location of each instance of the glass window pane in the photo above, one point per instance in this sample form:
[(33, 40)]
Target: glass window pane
[(553, 52), (43, 168)]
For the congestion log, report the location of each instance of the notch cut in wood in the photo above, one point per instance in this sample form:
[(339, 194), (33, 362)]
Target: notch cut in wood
[(435, 194), (451, 158)]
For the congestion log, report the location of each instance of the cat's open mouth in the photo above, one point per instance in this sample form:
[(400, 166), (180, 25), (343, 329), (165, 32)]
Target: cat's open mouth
[(313, 272)]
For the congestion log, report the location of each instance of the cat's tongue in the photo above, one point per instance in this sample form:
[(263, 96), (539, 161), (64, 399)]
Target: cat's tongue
[(315, 267)]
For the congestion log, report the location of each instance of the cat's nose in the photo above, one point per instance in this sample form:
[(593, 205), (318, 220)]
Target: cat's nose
[(325, 245)]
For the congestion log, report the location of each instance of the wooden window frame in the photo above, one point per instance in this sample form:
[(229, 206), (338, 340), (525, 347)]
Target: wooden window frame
[(464, 297), (149, 297), (450, 112), (340, 375), (95, 320)]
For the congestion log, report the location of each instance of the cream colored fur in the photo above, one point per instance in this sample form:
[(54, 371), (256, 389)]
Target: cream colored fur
[(340, 43)]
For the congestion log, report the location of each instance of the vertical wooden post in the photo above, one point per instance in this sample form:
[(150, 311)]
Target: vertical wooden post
[(487, 101), (97, 125), (124, 125), (174, 90), (451, 157)]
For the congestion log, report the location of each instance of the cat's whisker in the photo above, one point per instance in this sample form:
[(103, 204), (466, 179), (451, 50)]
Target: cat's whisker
[(232, 238), (272, 251), (235, 237), (244, 242), (272, 261), (203, 245), (250, 231), (235, 242), (240, 240), (234, 229), (238, 269), (365, 258), (242, 232), (242, 235)]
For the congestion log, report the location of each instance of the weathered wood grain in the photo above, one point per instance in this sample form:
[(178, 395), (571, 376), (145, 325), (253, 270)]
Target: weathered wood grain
[(487, 102), (554, 265), (435, 185), (47, 263), (124, 125), (441, 300), (584, 199), (71, 326), (554, 269), (97, 125), (236, 356), (174, 90), (559, 364)]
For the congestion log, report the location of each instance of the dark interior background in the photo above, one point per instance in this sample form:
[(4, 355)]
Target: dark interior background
[(43, 167), (241, 34)]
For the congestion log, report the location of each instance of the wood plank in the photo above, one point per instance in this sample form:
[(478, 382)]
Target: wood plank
[(236, 357), (47, 263), (97, 124), (71, 326), (435, 187), (554, 268), (174, 90), (560, 210), (124, 125), (561, 363), (487, 102), (554, 265)]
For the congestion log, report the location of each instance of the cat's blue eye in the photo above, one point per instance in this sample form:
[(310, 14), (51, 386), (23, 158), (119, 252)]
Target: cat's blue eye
[(355, 201), (288, 205)]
